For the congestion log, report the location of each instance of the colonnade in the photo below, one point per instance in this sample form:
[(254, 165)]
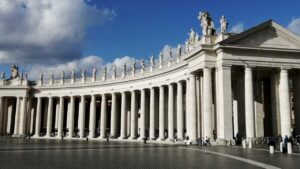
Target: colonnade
[(192, 107)]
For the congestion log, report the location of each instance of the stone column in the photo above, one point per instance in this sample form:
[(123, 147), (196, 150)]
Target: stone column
[(5, 115), (113, 122), (61, 117), (92, 124), (1, 113), (161, 113), (123, 117), (17, 117), (284, 101), (180, 117), (38, 117), (103, 116), (192, 120), (152, 114), (296, 93), (82, 117), (143, 113), (249, 103), (71, 118), (23, 115), (9, 119), (171, 113), (225, 103), (49, 117), (207, 103), (133, 116)]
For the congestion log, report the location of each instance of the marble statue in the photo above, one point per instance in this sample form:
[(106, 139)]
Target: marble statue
[(41, 77), (134, 65), (115, 70), (83, 73), (143, 64), (14, 70), (124, 68), (94, 72), (171, 54), (161, 59), (26, 76), (3, 75), (179, 50), (152, 61), (192, 37), (21, 76), (224, 24), (72, 74), (51, 76), (105, 72), (63, 75), (206, 24)]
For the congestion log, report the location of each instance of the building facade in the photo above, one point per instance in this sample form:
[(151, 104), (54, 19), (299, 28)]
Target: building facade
[(223, 85)]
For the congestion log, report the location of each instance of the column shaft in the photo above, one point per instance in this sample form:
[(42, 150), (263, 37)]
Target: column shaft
[(23, 115), (249, 103), (71, 118), (133, 116), (17, 117), (192, 109), (284, 100), (225, 103), (161, 113), (171, 113), (49, 117), (82, 118), (143, 113), (38, 117), (123, 116), (103, 116), (113, 122), (60, 117), (180, 117), (92, 124), (207, 103), (152, 114), (1, 114)]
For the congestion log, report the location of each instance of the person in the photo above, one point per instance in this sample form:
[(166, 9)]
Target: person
[(271, 143), (290, 140), (145, 140), (284, 146), (207, 142)]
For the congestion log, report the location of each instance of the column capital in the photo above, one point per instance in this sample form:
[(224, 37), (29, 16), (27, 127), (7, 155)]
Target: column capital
[(285, 68)]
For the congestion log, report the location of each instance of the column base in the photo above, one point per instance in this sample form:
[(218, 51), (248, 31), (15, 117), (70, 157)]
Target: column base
[(170, 139), (160, 139)]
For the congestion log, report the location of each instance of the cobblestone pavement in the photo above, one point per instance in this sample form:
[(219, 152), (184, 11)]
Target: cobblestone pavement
[(42, 154)]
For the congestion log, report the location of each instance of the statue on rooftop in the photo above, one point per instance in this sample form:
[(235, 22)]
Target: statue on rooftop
[(179, 50), (161, 59), (124, 68), (14, 71), (207, 24), (62, 75), (105, 72), (94, 72), (192, 38), (83, 74), (41, 77), (152, 61), (224, 24), (3, 75), (143, 64), (26, 76), (134, 65), (72, 74), (51, 76)]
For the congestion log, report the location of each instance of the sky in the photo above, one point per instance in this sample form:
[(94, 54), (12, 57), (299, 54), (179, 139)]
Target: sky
[(54, 35)]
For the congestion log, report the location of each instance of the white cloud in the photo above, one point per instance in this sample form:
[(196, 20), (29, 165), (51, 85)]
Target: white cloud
[(45, 31), (238, 28), (294, 25)]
